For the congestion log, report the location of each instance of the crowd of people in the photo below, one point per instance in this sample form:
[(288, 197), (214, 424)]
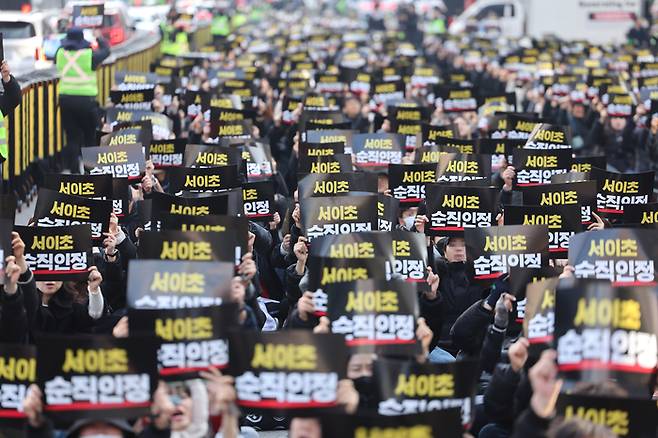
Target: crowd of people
[(373, 202)]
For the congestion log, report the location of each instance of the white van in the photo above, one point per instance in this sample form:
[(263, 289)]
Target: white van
[(598, 22)]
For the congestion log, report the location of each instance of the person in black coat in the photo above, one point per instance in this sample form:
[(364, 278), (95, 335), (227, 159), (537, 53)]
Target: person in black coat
[(11, 95), (457, 292), (10, 98)]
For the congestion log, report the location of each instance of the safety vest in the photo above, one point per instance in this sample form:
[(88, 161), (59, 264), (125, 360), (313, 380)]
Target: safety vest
[(220, 26), (177, 47), (238, 20), (77, 77), (437, 26), (3, 138)]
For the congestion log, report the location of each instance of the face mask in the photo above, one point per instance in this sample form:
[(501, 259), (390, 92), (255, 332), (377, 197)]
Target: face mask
[(367, 395), (409, 222)]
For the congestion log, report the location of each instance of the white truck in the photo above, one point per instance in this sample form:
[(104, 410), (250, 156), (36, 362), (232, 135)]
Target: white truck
[(597, 21)]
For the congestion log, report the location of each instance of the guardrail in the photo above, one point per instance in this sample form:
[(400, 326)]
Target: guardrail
[(35, 128)]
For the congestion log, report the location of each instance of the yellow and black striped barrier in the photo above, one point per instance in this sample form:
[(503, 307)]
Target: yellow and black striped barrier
[(35, 129)]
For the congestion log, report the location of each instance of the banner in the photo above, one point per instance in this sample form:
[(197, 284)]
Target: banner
[(54, 209), (606, 333), (140, 132), (494, 250), (96, 377), (338, 215), (307, 367), (188, 246), (388, 209), (121, 161), (58, 253), (171, 284), (377, 150), (616, 190), (586, 164), (451, 208), (258, 200), (167, 153), (192, 339), (623, 416), (18, 365), (336, 184), (581, 193), (408, 387), (408, 182), (203, 180), (535, 167), (376, 313), (563, 221), (623, 256)]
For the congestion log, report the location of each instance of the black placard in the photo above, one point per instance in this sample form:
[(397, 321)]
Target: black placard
[(58, 253), (203, 179), (133, 99), (88, 186), (170, 284), (624, 417), (616, 190), (88, 16), (339, 163), (310, 365), (408, 182), (375, 313), (188, 246), (405, 388), (336, 184), (96, 377), (443, 424), (563, 221), (623, 256), (573, 193), (197, 155), (452, 208), (19, 370), (121, 161), (55, 209), (494, 250), (463, 167), (377, 150), (192, 339), (338, 215), (258, 200), (534, 166), (605, 333), (167, 153)]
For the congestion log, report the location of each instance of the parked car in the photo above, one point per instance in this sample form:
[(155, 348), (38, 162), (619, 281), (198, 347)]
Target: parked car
[(23, 36)]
